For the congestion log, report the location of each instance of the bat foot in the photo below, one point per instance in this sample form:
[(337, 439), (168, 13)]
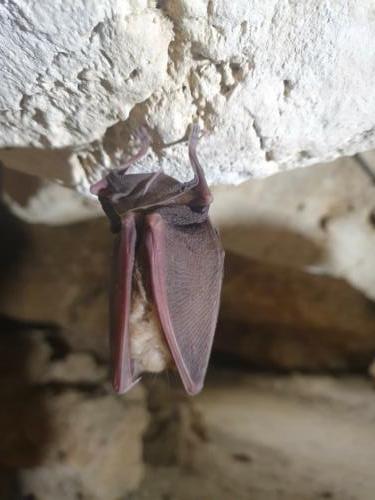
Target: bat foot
[(142, 135)]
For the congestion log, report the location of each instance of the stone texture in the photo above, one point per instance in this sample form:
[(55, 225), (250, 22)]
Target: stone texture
[(317, 219), (277, 85), (59, 277), (38, 200), (282, 318), (177, 432), (73, 70), (272, 315), (277, 438), (95, 450), (63, 432), (320, 219)]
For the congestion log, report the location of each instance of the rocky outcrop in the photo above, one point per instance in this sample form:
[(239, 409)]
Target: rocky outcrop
[(284, 84)]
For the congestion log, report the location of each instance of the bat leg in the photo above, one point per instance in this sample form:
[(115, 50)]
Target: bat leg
[(201, 186), (144, 138)]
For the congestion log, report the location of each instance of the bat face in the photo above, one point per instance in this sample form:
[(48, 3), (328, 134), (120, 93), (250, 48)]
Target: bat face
[(167, 273)]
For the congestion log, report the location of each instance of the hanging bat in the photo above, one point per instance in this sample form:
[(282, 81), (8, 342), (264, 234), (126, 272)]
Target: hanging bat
[(167, 272)]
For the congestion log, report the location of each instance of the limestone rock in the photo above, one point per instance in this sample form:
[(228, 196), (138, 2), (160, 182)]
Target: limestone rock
[(63, 431), (177, 432), (276, 85), (317, 219), (320, 219), (283, 318), (72, 71), (279, 438), (59, 277), (41, 201), (95, 450)]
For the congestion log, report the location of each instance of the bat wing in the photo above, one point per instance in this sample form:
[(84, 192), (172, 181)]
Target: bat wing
[(186, 266), (122, 272)]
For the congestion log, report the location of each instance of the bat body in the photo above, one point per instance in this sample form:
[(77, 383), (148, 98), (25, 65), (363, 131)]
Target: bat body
[(167, 272)]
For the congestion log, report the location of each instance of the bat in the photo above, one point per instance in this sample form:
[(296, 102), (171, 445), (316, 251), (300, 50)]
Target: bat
[(167, 271)]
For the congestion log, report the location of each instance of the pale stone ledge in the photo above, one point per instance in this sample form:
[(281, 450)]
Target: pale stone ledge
[(276, 84)]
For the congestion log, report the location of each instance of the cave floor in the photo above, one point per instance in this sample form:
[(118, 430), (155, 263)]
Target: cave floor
[(277, 438)]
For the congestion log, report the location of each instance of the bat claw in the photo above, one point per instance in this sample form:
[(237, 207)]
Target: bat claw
[(143, 135), (196, 134)]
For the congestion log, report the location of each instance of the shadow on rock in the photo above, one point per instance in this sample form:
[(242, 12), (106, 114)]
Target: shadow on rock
[(272, 243), (24, 421)]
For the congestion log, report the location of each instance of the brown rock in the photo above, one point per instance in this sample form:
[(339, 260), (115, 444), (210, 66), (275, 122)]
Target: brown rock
[(176, 432), (277, 438), (283, 318), (272, 316), (62, 430), (95, 451), (60, 276)]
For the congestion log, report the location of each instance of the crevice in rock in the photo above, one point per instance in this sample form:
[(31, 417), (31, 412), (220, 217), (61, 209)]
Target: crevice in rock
[(92, 389), (288, 87), (268, 154), (40, 118), (97, 30), (366, 168), (176, 430), (371, 218)]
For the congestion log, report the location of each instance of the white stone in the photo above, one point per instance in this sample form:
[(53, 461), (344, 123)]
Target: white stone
[(95, 449), (53, 204), (276, 438), (276, 84), (319, 218)]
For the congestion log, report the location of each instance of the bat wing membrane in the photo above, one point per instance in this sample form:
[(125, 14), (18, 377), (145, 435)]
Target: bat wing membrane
[(186, 264), (123, 265)]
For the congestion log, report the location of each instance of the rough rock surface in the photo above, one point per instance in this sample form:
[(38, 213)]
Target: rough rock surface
[(177, 432), (283, 83), (277, 438), (61, 278), (319, 219), (63, 431), (280, 317), (65, 436)]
